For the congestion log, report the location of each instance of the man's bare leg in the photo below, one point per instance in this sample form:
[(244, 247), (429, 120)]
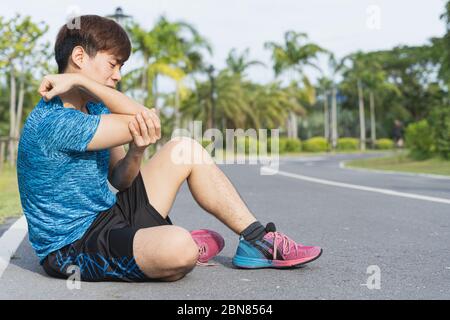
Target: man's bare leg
[(168, 253), (163, 175)]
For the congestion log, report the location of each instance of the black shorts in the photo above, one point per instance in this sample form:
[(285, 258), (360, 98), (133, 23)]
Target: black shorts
[(105, 251)]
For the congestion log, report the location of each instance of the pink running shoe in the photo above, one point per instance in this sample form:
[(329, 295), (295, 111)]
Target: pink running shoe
[(275, 250), (210, 243)]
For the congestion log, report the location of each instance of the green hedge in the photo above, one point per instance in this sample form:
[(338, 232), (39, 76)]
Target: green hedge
[(285, 145), (384, 144), (419, 140), (439, 121), (347, 144), (205, 143), (315, 144), (247, 141)]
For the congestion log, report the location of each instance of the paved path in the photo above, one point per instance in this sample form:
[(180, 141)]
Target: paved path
[(406, 238)]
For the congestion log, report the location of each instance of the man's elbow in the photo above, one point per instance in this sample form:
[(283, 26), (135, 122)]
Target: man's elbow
[(118, 185)]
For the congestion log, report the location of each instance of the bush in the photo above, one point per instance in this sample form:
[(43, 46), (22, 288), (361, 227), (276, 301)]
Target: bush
[(205, 143), (439, 121), (419, 140), (281, 145), (247, 142), (347, 144), (285, 145), (316, 144), (293, 145), (384, 144)]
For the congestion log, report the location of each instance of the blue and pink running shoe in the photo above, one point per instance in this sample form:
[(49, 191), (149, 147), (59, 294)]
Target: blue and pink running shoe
[(275, 250), (209, 243)]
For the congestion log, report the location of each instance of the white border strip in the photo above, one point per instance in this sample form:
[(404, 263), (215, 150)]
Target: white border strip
[(358, 187), (10, 241)]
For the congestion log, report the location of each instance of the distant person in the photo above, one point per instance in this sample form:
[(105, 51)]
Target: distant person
[(398, 134), (72, 144)]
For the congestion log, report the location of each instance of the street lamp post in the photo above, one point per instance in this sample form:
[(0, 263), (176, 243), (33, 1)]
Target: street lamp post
[(120, 18)]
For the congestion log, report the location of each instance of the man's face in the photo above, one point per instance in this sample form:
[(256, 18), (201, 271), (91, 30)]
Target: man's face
[(104, 68)]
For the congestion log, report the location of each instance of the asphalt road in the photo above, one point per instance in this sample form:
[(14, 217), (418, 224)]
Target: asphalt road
[(407, 240)]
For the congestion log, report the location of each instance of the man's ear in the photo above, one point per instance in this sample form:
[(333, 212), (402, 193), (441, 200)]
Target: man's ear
[(78, 56)]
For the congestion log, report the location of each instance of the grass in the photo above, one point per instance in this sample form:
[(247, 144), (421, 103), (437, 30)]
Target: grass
[(9, 194), (401, 162)]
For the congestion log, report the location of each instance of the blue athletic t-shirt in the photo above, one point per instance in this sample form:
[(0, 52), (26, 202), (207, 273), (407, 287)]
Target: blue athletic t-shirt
[(62, 185)]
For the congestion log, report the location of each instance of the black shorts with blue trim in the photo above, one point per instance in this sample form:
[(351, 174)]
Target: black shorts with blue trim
[(105, 251)]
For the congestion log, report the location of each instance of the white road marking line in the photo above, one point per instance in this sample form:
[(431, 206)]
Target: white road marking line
[(305, 159), (10, 241), (362, 188)]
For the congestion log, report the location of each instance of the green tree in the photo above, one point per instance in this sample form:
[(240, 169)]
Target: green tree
[(21, 56), (293, 56), (239, 63), (165, 50)]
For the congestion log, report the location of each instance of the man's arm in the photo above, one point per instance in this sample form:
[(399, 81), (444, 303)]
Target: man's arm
[(133, 124), (113, 129), (123, 167), (116, 101), (56, 84)]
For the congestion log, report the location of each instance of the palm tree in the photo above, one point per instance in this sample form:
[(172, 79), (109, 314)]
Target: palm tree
[(229, 98), (293, 56), (165, 50), (168, 49), (238, 64), (356, 73), (366, 72), (270, 104), (325, 86)]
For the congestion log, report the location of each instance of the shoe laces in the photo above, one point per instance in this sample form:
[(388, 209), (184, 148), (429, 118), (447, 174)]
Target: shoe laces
[(286, 244), (202, 250)]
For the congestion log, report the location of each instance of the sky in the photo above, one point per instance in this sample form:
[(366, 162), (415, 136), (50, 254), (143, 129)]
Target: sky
[(342, 26)]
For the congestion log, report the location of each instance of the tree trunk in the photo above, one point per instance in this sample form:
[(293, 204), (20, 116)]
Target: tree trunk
[(20, 107), (362, 121), (12, 117), (155, 92), (2, 153), (373, 129), (155, 99), (224, 124), (144, 84), (295, 125), (291, 125), (326, 120), (334, 133), (177, 106)]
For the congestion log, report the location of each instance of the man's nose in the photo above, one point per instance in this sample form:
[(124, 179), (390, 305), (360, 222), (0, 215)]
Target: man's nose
[(117, 76)]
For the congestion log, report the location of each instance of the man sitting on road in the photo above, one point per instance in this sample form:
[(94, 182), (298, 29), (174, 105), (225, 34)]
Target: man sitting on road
[(72, 144)]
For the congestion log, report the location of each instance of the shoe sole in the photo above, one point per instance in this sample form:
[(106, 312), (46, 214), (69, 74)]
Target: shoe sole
[(251, 263)]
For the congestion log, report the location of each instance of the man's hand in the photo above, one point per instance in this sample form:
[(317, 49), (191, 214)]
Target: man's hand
[(145, 129), (56, 84)]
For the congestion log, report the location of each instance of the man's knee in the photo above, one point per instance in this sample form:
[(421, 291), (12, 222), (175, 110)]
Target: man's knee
[(188, 151), (176, 254), (185, 251)]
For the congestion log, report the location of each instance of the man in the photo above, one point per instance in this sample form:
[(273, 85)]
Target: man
[(398, 134), (72, 145)]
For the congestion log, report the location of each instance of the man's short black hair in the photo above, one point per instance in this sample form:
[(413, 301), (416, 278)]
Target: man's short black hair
[(95, 34)]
